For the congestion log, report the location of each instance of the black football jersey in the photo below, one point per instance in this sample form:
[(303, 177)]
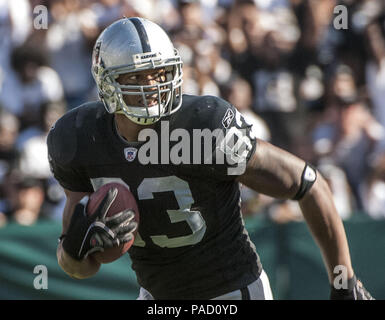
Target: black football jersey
[(191, 241)]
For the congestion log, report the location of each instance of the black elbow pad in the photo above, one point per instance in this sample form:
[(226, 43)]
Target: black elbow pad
[(309, 176)]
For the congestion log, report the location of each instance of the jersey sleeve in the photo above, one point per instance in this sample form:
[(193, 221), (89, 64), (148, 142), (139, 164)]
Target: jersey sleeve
[(234, 140), (62, 149)]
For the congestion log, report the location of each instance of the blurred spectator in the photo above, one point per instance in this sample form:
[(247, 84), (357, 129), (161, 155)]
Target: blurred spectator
[(343, 197), (350, 139), (28, 190), (33, 147), (373, 189), (192, 26), (9, 129), (33, 162), (311, 91), (15, 26), (68, 51), (164, 12), (199, 43), (261, 43), (36, 83), (375, 70), (105, 12), (243, 32), (25, 198)]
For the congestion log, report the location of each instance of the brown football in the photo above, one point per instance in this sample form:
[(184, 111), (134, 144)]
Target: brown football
[(124, 200)]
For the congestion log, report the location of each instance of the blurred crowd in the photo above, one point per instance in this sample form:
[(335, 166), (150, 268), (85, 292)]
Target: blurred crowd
[(308, 87)]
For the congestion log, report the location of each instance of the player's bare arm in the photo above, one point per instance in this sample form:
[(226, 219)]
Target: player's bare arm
[(277, 173), (74, 268)]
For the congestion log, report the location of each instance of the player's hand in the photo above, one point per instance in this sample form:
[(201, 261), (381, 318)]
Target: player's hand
[(355, 291), (87, 234)]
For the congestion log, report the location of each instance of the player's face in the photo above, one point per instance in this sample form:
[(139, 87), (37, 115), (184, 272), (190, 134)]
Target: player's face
[(144, 78)]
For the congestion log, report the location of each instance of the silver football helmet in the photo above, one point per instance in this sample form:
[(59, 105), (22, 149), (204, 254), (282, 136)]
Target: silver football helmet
[(132, 45)]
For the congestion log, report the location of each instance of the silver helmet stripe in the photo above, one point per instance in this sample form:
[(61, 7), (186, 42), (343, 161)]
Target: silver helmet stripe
[(145, 42)]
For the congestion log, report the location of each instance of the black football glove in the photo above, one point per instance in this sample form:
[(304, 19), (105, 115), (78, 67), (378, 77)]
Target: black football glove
[(88, 234), (355, 291)]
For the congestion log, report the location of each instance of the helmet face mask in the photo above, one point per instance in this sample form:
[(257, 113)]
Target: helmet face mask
[(147, 102)]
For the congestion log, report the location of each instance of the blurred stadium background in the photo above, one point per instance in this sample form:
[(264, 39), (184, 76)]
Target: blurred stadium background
[(308, 87)]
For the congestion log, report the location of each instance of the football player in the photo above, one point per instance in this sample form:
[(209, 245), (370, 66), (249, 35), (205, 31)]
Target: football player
[(191, 242)]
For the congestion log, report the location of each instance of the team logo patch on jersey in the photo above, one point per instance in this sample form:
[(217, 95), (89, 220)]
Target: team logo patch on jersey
[(229, 116), (130, 154)]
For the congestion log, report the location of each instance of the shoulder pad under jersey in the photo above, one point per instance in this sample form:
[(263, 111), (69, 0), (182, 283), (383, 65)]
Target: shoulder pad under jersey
[(201, 112), (65, 137)]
